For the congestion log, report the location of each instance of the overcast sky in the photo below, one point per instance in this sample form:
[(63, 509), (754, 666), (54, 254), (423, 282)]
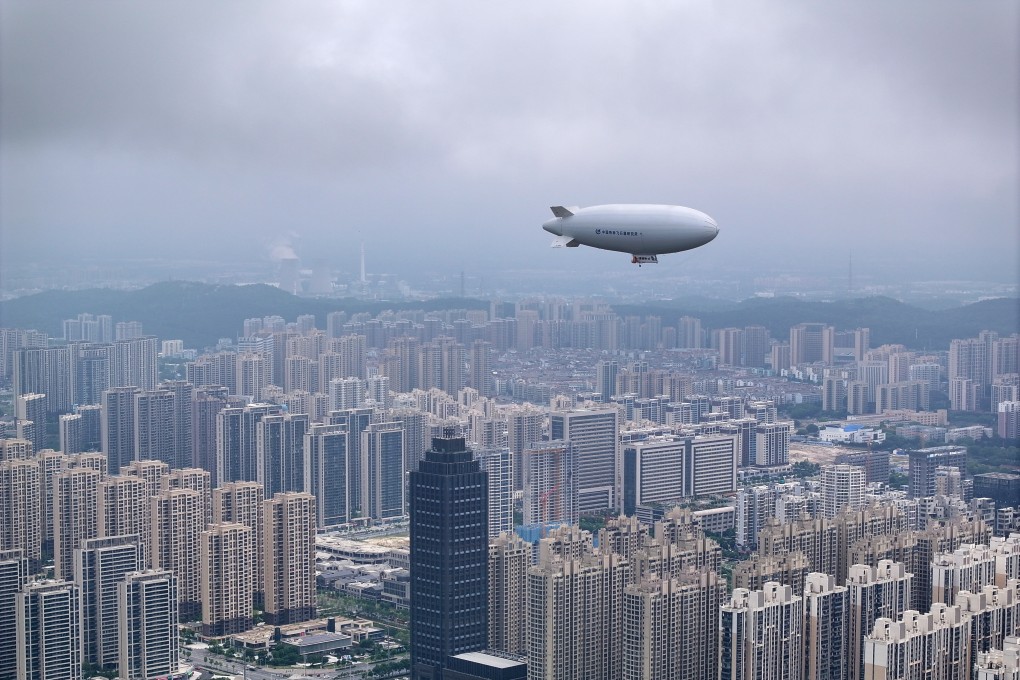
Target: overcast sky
[(442, 131)]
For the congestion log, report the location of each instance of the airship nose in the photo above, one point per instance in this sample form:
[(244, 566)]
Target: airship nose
[(713, 228)]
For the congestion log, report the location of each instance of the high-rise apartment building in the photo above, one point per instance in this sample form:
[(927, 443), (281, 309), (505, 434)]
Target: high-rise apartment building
[(762, 634), (523, 428), (857, 402), (449, 523), (772, 444), (688, 333), (414, 423), (355, 422), (279, 452), (195, 479), (178, 518), (75, 515), (934, 645), (118, 425), (351, 349), (289, 558), (326, 473), (810, 343), (1008, 425), (254, 372), (495, 462), (135, 363), (345, 393), (16, 449), (206, 404), (595, 442), (227, 579), (244, 503), (842, 487), (923, 463), (509, 561), (382, 471), (48, 624), (550, 492), (236, 441), (994, 613), (400, 363), (876, 592), (833, 393), (99, 566), (969, 567), (480, 369), (21, 509), (147, 605), (670, 626), (816, 538), (730, 343), (605, 378), (183, 415), (826, 628), (32, 408), (154, 427), (70, 430), (968, 358), (575, 615), (151, 472), (14, 575)]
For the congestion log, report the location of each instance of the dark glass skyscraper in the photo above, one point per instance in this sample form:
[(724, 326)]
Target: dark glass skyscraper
[(449, 557)]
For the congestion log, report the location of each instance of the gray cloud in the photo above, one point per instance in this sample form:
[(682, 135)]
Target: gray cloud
[(441, 131)]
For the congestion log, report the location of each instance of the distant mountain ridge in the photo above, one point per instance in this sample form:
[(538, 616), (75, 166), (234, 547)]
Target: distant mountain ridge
[(201, 313)]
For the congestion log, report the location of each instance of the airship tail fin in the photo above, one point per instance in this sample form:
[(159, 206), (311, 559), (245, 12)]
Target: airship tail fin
[(560, 211)]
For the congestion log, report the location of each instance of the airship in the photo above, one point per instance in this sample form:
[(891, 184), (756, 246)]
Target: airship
[(644, 231)]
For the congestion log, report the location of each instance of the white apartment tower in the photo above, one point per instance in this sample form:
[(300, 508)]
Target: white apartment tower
[(842, 487), (762, 634), (933, 646)]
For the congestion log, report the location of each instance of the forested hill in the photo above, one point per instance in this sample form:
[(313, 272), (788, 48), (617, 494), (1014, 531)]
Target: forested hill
[(200, 314)]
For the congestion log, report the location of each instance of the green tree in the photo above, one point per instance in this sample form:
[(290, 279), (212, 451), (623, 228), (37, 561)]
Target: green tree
[(897, 479)]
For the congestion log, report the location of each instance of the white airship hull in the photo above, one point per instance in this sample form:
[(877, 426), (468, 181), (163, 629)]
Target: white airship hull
[(641, 230)]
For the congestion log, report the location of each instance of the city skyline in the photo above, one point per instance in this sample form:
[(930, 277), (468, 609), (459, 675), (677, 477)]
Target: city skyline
[(221, 494)]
